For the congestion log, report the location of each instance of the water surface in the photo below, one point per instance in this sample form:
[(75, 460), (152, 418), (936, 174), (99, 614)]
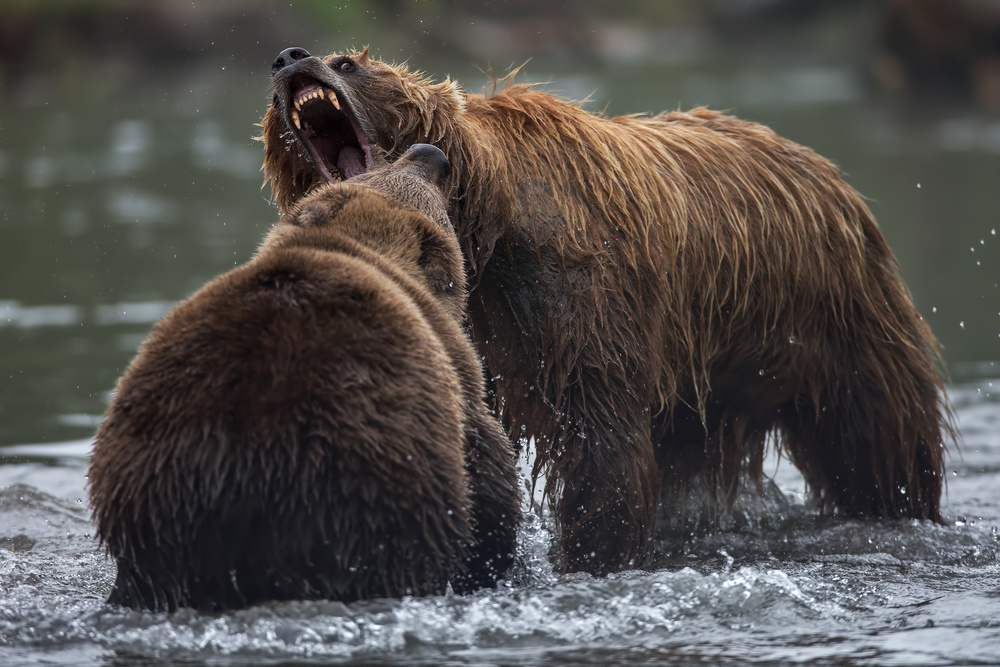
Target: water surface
[(789, 586)]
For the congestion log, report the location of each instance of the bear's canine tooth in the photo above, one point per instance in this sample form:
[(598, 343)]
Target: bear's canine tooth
[(332, 96), (295, 118)]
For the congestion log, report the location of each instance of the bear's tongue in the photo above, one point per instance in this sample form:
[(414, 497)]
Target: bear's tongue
[(351, 162)]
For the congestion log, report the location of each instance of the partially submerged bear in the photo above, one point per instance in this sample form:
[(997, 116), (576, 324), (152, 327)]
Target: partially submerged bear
[(313, 423), (653, 296)]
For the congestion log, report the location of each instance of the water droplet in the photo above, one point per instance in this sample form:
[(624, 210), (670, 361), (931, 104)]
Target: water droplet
[(792, 340), (761, 371), (961, 324)]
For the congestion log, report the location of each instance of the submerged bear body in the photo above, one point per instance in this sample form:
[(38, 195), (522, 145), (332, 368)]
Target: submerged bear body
[(653, 296), (311, 424)]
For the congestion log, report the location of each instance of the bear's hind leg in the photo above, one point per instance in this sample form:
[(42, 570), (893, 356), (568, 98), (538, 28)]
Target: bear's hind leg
[(870, 443)]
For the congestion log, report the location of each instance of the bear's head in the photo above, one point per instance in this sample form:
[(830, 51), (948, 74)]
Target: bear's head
[(396, 212), (341, 113)]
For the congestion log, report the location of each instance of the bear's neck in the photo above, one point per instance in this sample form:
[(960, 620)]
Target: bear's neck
[(487, 173)]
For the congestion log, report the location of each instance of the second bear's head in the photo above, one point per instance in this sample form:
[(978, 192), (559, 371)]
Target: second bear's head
[(395, 216)]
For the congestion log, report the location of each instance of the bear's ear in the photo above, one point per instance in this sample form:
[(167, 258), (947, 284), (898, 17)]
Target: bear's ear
[(429, 162), (318, 209)]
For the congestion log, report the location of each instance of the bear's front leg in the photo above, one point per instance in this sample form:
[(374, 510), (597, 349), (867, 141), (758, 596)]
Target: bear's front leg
[(603, 477)]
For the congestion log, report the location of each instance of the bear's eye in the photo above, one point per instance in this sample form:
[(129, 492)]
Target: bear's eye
[(344, 65)]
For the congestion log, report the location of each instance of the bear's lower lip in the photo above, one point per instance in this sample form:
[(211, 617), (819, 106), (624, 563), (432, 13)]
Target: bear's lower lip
[(323, 123)]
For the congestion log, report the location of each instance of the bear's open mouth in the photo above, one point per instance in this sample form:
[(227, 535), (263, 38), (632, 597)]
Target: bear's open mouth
[(326, 126)]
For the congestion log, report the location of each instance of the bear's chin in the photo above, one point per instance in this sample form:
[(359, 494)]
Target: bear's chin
[(322, 121)]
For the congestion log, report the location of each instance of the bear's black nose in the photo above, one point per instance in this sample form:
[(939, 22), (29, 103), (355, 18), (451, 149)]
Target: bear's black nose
[(287, 57), (436, 167)]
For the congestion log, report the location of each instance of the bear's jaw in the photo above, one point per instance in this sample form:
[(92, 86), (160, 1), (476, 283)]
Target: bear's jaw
[(322, 121)]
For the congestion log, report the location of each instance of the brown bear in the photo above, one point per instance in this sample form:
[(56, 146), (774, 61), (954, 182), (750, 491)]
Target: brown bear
[(313, 424), (653, 296)]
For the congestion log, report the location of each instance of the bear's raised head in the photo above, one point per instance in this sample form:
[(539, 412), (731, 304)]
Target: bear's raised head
[(341, 113)]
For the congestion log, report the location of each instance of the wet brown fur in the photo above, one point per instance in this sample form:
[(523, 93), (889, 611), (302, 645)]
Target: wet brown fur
[(312, 424), (654, 295)]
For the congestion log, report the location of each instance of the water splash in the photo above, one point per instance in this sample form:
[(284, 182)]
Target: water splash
[(783, 585)]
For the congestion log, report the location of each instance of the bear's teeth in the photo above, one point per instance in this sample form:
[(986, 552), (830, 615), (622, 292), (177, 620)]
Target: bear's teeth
[(311, 95), (333, 99), (295, 119)]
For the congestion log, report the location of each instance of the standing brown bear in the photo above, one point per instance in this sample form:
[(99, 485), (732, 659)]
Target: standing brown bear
[(313, 424), (653, 295)]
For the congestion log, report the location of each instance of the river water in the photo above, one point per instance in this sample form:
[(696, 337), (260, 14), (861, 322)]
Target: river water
[(788, 586), (123, 191)]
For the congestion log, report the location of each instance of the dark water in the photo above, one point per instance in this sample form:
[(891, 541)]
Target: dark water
[(123, 193)]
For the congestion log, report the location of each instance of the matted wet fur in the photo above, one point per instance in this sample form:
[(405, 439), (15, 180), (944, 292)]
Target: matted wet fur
[(652, 295), (313, 423)]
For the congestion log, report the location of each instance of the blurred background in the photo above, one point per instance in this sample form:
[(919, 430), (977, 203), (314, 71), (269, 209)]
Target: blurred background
[(129, 177)]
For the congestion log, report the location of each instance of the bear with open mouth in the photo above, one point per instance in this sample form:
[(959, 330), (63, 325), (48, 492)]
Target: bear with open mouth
[(313, 424), (653, 296)]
